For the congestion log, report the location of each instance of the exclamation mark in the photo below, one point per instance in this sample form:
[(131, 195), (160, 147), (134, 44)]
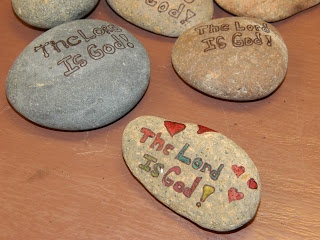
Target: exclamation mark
[(189, 15), (207, 191), (124, 37)]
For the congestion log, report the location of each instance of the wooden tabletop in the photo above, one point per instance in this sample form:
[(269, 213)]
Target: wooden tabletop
[(76, 185)]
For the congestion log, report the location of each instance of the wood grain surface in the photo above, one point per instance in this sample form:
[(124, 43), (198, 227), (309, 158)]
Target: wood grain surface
[(75, 185)]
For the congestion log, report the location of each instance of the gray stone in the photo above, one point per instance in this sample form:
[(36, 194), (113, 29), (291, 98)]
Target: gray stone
[(267, 10), (168, 18), (48, 13), (79, 75), (195, 171), (234, 58)]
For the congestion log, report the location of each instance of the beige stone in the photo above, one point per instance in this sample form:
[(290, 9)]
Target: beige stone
[(268, 10), (232, 58), (168, 18), (195, 171)]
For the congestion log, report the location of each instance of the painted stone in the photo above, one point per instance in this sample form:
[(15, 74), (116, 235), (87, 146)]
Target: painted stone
[(168, 18), (195, 171), (47, 13), (79, 75), (267, 10), (232, 58)]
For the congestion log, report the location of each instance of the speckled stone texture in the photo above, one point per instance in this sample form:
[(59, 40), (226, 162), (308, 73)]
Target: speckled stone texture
[(195, 171), (168, 18), (268, 10), (50, 13), (239, 59), (79, 75)]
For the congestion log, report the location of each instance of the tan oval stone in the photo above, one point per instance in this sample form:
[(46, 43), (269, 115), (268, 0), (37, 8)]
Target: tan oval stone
[(168, 18), (233, 58), (268, 10), (195, 171)]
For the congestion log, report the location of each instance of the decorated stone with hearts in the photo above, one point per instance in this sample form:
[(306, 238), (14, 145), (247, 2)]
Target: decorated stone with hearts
[(194, 170)]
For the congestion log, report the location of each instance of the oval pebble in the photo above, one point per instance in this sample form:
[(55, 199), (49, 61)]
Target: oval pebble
[(232, 58), (195, 171), (168, 18), (47, 13), (267, 10), (79, 75)]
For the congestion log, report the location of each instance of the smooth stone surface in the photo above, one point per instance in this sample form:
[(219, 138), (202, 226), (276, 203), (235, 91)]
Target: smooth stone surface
[(79, 75), (268, 10), (168, 18), (50, 13), (195, 171), (233, 58)]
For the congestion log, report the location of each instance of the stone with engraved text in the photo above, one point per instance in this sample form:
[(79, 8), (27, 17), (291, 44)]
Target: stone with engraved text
[(79, 75), (168, 18), (232, 58)]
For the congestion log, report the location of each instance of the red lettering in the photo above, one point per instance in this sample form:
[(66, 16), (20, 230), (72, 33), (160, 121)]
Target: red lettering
[(167, 181), (188, 191), (167, 148), (146, 133), (178, 187), (158, 141)]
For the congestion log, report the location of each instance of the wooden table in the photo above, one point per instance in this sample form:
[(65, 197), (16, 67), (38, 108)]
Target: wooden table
[(75, 185)]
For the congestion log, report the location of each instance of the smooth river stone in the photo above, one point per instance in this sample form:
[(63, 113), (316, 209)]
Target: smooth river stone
[(79, 75), (268, 10), (168, 18), (50, 13), (233, 58), (195, 171)]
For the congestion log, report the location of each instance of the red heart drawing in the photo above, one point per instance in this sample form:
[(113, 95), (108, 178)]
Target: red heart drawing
[(203, 129), (252, 183), (238, 170), (233, 194), (173, 127)]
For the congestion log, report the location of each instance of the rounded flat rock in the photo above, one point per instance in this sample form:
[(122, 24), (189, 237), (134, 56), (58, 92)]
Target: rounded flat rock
[(267, 10), (234, 58), (50, 13), (79, 75), (168, 18), (194, 170)]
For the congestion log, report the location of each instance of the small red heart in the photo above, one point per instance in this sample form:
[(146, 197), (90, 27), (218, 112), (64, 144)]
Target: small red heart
[(233, 194), (252, 183), (173, 127), (238, 170), (203, 129)]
